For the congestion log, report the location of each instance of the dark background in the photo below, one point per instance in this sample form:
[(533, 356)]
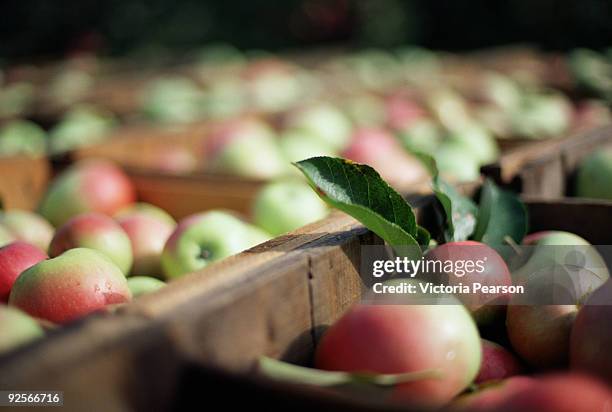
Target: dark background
[(31, 28)]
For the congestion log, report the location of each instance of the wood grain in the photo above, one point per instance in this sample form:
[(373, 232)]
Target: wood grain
[(546, 168), (104, 363), (23, 181)]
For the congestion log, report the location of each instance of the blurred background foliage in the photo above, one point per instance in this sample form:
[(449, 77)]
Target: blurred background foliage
[(54, 28)]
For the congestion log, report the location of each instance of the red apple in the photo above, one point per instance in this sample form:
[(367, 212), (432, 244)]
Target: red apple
[(497, 363), (491, 396), (72, 285), (474, 263), (392, 339), (87, 186), (591, 113), (552, 393), (539, 331), (245, 147), (98, 232), (559, 393), (533, 238), (591, 337), (540, 334), (148, 234), (402, 112), (14, 259), (380, 150), (177, 160)]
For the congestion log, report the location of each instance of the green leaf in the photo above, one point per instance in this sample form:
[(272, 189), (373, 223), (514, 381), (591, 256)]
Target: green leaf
[(459, 210), (423, 236), (502, 214), (428, 161), (288, 372), (360, 191)]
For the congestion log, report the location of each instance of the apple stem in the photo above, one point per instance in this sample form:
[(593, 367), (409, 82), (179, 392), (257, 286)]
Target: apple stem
[(515, 247), (205, 254)]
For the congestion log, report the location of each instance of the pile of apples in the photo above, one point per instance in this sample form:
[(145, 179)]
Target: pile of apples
[(374, 107), (525, 371), (367, 106), (25, 137), (92, 246), (501, 320)]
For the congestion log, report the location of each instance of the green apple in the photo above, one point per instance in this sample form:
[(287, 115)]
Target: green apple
[(225, 97), (365, 110), (542, 115), (69, 86), (6, 237), (15, 98), (204, 238), (551, 248), (82, 126), (28, 227), (495, 119), (418, 63), (273, 84), (22, 137), (70, 286), (456, 162), (478, 141), (592, 71), (324, 121), (283, 206), (423, 135), (172, 99), (298, 144), (145, 208), (450, 109), (142, 285), (368, 66), (502, 91), (17, 328), (595, 175)]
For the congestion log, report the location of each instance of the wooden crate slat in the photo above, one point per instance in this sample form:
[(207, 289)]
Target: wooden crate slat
[(103, 362), (546, 169), (23, 181), (272, 300)]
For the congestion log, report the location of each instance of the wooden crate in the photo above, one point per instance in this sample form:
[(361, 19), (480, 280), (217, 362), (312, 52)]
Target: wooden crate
[(548, 169), (139, 150), (23, 181), (203, 333)]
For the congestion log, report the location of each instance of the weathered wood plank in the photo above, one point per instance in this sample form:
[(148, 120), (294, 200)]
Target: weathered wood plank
[(183, 195), (104, 363), (23, 181), (546, 169)]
